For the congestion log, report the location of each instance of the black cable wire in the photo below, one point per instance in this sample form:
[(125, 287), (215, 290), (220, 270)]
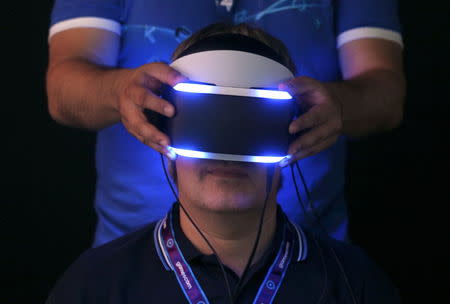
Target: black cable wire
[(347, 282), (255, 245), (325, 270), (230, 295), (299, 198), (308, 194), (297, 191), (317, 221)]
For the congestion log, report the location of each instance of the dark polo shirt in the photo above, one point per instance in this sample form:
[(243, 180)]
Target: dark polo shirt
[(131, 270)]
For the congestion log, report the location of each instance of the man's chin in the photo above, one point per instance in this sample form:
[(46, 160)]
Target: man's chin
[(230, 205)]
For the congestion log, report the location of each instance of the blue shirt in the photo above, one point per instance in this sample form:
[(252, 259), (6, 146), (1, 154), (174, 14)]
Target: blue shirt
[(131, 187)]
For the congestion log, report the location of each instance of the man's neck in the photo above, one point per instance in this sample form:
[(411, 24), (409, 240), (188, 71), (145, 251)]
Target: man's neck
[(232, 235)]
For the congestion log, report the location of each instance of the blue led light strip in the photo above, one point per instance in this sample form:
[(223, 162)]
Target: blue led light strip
[(228, 157), (211, 89)]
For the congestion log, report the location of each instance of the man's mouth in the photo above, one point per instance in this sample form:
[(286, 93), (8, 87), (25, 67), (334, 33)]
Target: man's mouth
[(230, 172), (228, 169)]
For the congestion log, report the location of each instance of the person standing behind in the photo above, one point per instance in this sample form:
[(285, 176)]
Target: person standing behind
[(106, 66)]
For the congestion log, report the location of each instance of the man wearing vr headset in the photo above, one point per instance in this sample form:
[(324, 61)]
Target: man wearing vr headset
[(105, 69), (170, 261), (225, 240)]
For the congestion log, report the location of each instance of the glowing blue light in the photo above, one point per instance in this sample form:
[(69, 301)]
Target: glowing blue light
[(271, 94), (171, 153), (211, 89), (228, 157), (190, 153), (265, 159), (194, 88)]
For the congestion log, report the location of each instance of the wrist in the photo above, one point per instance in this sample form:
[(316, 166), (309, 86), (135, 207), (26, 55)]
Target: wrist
[(337, 92), (115, 81)]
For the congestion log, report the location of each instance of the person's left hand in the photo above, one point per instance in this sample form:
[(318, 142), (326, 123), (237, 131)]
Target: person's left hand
[(322, 121)]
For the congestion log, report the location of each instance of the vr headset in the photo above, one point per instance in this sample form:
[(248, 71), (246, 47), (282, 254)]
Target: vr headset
[(231, 109)]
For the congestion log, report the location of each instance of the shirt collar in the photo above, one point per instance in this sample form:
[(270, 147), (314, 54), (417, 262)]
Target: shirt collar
[(190, 252)]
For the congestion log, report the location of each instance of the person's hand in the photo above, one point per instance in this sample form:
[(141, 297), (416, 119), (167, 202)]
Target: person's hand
[(322, 121), (138, 90)]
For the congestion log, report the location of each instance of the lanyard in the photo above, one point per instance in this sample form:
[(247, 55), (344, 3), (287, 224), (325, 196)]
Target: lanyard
[(189, 284)]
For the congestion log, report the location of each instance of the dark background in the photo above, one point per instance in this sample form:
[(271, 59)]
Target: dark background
[(397, 182)]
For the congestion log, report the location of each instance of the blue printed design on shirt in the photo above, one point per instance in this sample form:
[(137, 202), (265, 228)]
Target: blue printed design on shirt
[(180, 33), (150, 31), (280, 6)]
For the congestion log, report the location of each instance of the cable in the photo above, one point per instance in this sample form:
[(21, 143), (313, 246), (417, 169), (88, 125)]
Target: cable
[(255, 244), (230, 295), (325, 286), (308, 194), (324, 265), (317, 221), (297, 191)]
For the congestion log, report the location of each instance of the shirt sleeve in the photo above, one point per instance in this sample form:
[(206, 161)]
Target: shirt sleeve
[(356, 19), (103, 14)]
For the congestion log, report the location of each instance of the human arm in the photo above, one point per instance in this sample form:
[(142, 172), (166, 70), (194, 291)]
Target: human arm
[(369, 99), (86, 90)]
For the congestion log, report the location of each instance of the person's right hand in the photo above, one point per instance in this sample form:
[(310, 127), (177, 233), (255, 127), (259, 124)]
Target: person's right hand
[(137, 90)]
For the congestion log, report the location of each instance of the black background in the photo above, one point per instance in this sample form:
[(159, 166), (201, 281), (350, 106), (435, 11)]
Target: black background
[(397, 182)]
